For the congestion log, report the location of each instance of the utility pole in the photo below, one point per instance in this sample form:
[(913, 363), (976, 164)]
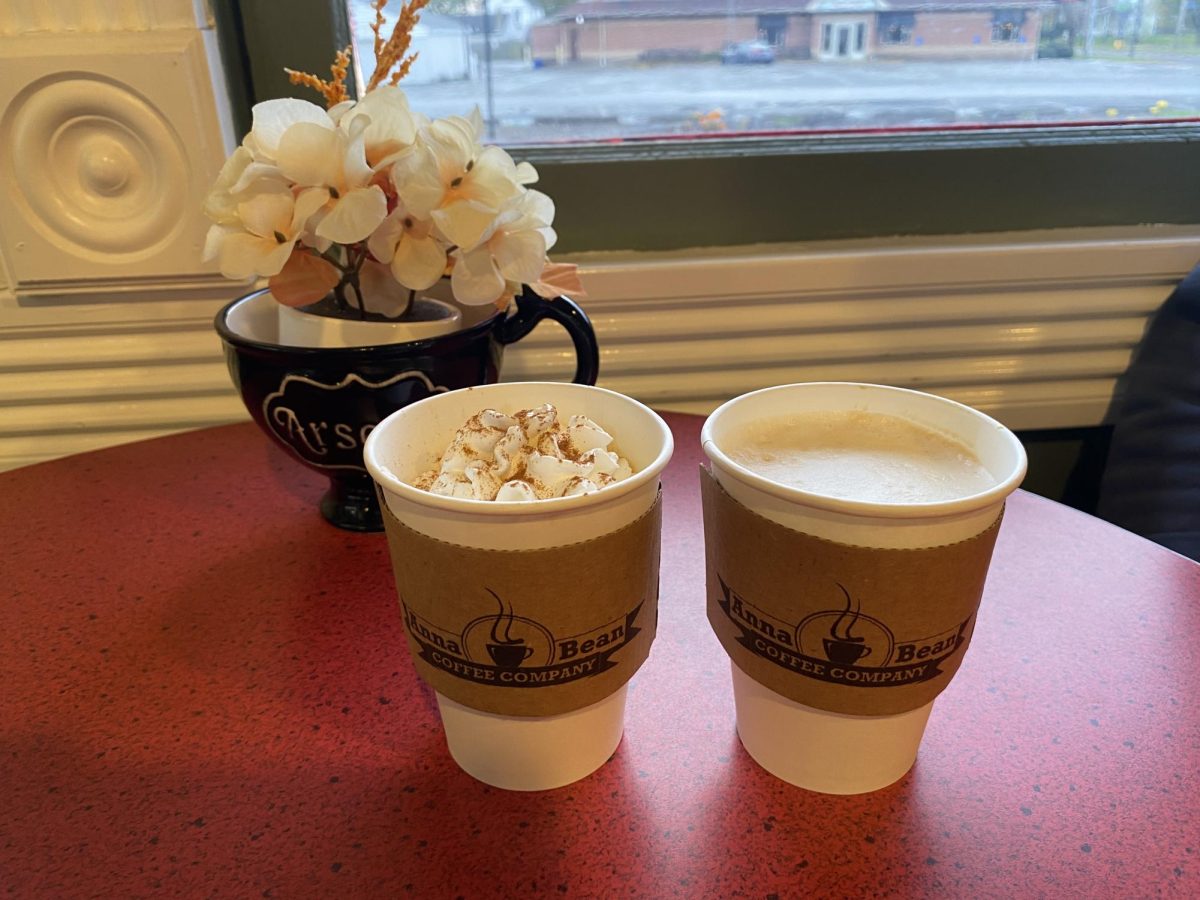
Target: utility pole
[(1137, 27), (1089, 34), (487, 71)]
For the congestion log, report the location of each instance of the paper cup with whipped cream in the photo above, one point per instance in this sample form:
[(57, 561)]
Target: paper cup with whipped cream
[(523, 521), (848, 533)]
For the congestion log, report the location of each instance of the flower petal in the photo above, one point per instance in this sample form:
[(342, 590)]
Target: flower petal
[(213, 241), (557, 279), (354, 216), (260, 176), (273, 117), (453, 143), (243, 255), (355, 171), (418, 181), (306, 204), (520, 255), (465, 223), (265, 214), (474, 279), (305, 278), (526, 173), (419, 262), (538, 207), (383, 240), (311, 155), (380, 290), (493, 180), (392, 127), (308, 239), (338, 110), (219, 205), (475, 120)]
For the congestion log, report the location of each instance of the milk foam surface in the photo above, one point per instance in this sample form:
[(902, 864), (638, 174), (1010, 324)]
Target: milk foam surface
[(858, 455), (529, 455)]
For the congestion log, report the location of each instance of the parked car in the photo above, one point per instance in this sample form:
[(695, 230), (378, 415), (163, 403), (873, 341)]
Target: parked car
[(748, 52)]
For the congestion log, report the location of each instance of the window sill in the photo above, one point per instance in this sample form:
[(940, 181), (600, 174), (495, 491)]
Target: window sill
[(1034, 328)]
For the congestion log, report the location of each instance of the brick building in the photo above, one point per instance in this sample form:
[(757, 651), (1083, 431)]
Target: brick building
[(604, 31)]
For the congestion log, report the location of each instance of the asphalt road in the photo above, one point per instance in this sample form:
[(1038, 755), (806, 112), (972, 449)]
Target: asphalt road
[(626, 100)]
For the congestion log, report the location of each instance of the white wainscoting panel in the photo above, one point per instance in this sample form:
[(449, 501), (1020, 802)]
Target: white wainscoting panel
[(1034, 329), (113, 123), (1035, 332)]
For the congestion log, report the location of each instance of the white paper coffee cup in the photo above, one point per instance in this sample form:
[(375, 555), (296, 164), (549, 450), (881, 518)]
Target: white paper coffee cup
[(512, 752), (811, 748)]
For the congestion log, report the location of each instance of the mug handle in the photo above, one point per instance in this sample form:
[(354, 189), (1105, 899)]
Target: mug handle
[(531, 309)]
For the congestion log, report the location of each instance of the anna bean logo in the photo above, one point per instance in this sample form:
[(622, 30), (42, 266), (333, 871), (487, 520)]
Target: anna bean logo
[(505, 649), (840, 645)]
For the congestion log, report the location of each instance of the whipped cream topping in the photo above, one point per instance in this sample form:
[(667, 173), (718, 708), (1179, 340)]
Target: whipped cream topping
[(529, 455)]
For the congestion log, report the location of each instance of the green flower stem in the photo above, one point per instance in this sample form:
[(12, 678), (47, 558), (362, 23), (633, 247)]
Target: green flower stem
[(356, 257), (349, 279)]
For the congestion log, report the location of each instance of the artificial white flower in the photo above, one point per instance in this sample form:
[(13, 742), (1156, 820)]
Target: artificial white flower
[(512, 251), (306, 177), (391, 127), (272, 224), (450, 178), (239, 179), (416, 257), (311, 155), (272, 118)]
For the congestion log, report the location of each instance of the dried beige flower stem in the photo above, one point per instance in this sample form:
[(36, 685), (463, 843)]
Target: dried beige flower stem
[(334, 90), (393, 51), (403, 70), (389, 55), (377, 25)]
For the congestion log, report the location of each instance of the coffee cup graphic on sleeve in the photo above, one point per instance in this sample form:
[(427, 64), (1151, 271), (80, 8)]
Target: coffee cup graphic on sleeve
[(845, 648), (506, 651)]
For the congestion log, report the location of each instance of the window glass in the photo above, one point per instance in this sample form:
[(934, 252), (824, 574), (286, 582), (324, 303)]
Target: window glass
[(550, 71), (895, 28)]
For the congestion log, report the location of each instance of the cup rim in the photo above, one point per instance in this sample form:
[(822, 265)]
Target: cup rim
[(930, 509), (383, 475), (364, 352)]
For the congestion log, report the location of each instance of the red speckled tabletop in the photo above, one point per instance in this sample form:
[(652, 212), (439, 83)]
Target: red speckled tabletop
[(204, 691)]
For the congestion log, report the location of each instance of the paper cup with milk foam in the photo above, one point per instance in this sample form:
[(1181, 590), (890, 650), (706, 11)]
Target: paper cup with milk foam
[(527, 618), (844, 619)]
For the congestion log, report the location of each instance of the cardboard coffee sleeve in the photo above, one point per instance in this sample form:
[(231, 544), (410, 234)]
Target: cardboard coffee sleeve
[(529, 632), (855, 630)]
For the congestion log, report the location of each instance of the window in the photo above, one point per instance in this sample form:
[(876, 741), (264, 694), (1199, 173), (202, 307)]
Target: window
[(689, 153), (1006, 25), (860, 37), (773, 29), (896, 28)]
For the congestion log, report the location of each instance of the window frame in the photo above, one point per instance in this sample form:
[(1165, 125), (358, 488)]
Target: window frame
[(661, 195)]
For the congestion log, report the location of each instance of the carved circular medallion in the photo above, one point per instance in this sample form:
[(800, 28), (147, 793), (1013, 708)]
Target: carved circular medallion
[(98, 168)]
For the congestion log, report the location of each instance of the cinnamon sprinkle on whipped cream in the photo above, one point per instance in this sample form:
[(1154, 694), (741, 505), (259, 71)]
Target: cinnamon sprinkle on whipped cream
[(529, 455)]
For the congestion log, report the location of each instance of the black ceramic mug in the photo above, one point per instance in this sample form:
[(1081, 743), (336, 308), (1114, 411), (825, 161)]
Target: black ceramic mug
[(321, 403)]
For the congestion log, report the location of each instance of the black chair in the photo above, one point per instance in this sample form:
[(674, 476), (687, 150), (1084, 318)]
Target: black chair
[(1151, 483)]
